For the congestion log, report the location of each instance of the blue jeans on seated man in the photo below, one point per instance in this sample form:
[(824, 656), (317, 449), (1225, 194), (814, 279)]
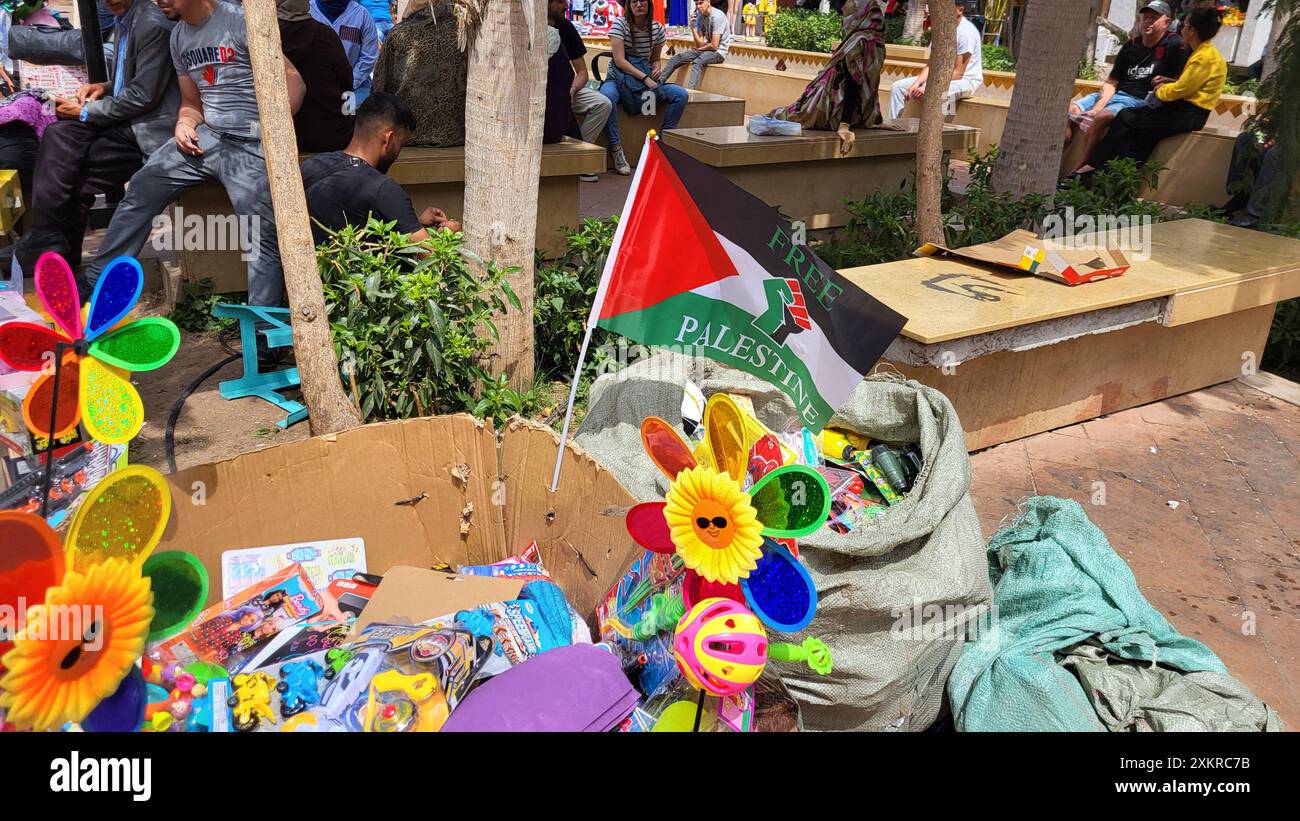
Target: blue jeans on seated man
[(673, 95), (1118, 102)]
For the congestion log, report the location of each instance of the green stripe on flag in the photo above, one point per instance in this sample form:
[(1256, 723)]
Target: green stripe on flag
[(726, 334)]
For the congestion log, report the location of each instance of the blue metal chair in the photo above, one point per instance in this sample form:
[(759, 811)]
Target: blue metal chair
[(254, 382)]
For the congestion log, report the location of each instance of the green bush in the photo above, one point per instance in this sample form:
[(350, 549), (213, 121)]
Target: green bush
[(563, 294), (999, 58), (411, 332), (804, 31), (193, 311)]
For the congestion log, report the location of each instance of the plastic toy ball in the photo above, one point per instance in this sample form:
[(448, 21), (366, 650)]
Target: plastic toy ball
[(720, 647)]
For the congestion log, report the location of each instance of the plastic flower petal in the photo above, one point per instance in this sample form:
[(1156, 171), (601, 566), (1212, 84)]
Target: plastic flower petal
[(30, 563), (123, 517), (111, 408), (27, 347), (77, 646), (116, 292), (714, 526), (57, 288), (36, 406), (144, 345)]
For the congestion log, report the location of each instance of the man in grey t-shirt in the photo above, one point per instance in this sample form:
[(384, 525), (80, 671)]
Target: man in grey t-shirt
[(712, 35), (217, 138)]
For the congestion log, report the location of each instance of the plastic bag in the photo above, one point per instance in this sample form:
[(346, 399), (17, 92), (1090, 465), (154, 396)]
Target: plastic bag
[(764, 126)]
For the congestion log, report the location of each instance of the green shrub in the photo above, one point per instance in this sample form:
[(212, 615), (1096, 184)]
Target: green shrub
[(563, 295), (193, 311), (804, 31), (1087, 70), (411, 332), (998, 58)]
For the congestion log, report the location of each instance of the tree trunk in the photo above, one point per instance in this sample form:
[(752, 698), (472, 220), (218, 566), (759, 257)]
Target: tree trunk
[(504, 107), (1029, 157), (914, 22), (929, 139), (328, 407), (1090, 45)]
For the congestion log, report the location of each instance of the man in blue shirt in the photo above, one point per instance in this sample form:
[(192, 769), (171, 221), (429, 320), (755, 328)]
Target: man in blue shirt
[(103, 136)]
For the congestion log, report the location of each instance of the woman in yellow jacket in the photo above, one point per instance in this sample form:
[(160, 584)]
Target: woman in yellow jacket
[(1180, 105)]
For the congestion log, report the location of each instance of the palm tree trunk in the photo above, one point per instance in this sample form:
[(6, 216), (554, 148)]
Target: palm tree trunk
[(914, 22), (1029, 158), (929, 139), (505, 101), (329, 409)]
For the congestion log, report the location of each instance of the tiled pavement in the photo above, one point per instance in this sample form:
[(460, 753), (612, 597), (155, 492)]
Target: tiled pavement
[(1201, 496)]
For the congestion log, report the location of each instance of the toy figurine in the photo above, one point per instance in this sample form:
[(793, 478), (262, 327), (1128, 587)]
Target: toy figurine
[(298, 687), (335, 659), (252, 700)]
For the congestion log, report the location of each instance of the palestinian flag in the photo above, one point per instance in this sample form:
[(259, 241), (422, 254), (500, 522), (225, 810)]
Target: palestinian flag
[(702, 266)]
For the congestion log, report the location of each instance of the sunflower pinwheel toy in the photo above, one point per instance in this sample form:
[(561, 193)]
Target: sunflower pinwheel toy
[(86, 365), (49, 678), (726, 536)]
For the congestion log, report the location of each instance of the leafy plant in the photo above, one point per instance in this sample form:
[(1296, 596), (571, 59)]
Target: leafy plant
[(563, 294), (998, 58), (802, 30), (193, 311), (411, 322), (1087, 70)]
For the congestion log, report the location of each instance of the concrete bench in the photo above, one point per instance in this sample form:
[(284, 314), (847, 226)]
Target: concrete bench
[(1195, 166), (988, 114), (805, 177), (1019, 354), (430, 176)]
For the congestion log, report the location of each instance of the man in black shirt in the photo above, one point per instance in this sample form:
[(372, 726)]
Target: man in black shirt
[(1155, 52), (593, 107), (347, 187)]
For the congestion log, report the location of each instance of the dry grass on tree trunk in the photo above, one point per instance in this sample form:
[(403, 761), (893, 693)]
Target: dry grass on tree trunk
[(318, 368), (929, 140), (504, 107)]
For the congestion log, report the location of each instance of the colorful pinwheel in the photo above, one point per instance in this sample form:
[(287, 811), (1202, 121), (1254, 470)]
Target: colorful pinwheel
[(724, 535), (94, 384)]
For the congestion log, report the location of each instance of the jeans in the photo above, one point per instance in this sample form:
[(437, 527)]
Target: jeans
[(697, 59), (1268, 187), (674, 96), (240, 167), (957, 90), (1135, 131), (1118, 102)]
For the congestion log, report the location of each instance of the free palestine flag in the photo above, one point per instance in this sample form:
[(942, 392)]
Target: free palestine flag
[(700, 264)]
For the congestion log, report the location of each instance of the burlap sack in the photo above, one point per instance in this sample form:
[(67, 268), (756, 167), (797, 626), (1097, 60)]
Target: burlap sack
[(926, 551)]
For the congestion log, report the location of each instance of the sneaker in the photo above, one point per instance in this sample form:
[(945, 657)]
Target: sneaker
[(620, 162), (588, 177)]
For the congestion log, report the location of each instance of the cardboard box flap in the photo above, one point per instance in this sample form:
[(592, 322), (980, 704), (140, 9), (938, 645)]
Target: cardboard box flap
[(419, 492), (411, 595), (1026, 252)]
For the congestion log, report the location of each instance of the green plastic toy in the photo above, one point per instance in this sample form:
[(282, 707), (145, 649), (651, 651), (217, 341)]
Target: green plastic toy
[(813, 651)]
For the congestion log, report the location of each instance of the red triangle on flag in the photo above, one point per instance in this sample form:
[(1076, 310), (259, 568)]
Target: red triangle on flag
[(667, 247)]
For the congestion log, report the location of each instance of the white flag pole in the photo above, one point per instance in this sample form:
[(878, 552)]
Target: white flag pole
[(597, 303)]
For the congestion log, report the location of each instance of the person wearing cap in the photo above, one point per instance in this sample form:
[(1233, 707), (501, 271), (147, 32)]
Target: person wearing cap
[(1177, 105), (1155, 52), (324, 123)]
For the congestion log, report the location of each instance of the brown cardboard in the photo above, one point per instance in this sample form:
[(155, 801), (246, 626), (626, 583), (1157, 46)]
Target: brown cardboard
[(410, 595), (478, 500), (1027, 253)]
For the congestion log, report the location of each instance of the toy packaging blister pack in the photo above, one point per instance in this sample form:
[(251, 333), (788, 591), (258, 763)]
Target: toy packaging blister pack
[(648, 662), (399, 678), (230, 632)]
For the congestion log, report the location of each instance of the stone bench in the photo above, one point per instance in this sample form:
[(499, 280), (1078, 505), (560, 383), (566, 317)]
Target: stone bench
[(805, 177), (1195, 166), (988, 114), (430, 176), (1019, 354)]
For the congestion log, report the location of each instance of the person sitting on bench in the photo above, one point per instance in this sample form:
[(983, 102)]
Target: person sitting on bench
[(842, 96), (217, 137), (711, 32), (348, 187), (1156, 52), (324, 123), (104, 135), (637, 42), (1178, 106), (967, 71), (356, 30), (1255, 178)]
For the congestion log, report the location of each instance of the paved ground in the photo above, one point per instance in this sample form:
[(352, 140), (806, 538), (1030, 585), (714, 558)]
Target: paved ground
[(1202, 501)]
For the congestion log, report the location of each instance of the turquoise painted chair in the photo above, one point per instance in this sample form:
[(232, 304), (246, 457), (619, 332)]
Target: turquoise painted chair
[(254, 382)]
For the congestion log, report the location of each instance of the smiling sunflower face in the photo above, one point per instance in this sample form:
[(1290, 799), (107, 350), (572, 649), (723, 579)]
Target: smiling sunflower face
[(713, 525)]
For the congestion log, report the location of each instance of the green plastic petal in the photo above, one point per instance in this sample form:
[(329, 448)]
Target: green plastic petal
[(143, 345), (792, 501)]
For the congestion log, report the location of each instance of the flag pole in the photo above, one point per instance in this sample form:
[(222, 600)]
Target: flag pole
[(595, 310)]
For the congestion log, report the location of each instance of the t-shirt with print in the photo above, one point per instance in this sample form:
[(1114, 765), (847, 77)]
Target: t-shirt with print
[(969, 42), (1136, 64), (715, 23), (214, 54), (640, 43), (345, 190)]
